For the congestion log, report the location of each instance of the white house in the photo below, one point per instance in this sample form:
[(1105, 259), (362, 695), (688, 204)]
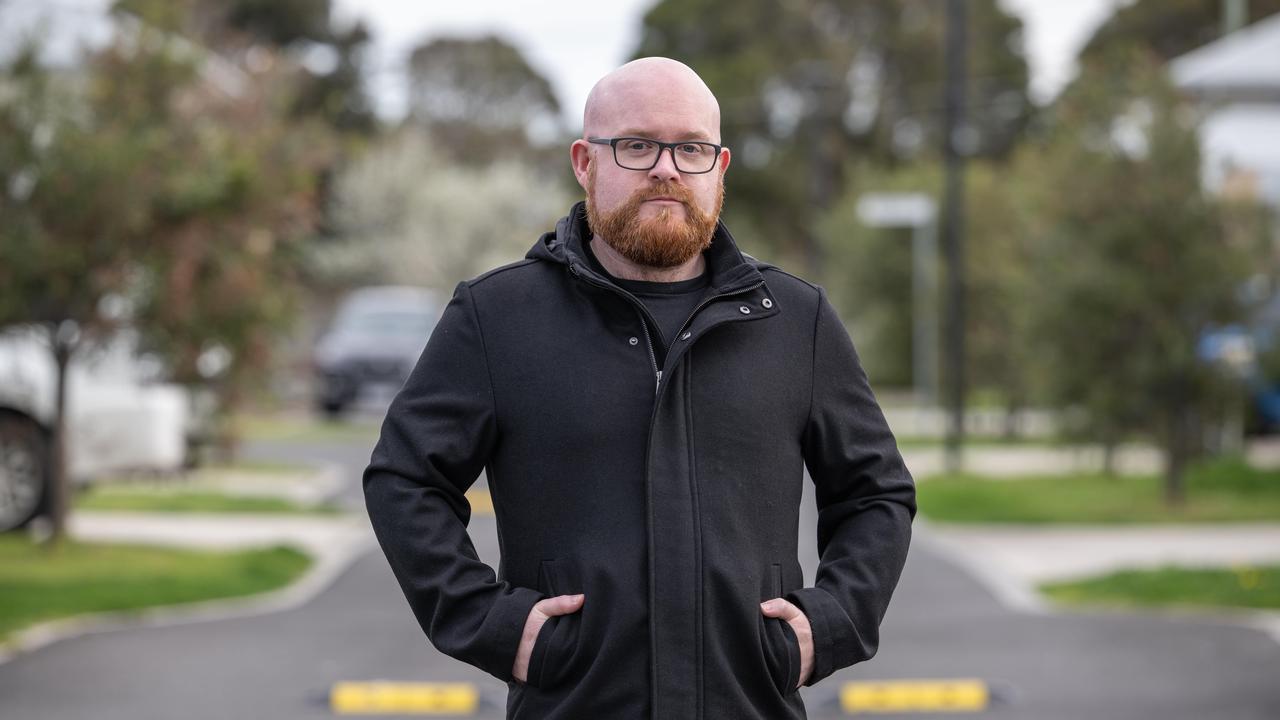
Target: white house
[(1237, 80)]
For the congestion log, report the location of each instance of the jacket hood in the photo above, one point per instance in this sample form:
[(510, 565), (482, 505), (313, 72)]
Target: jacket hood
[(728, 266)]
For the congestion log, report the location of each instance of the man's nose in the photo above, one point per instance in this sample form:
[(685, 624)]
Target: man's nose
[(665, 169)]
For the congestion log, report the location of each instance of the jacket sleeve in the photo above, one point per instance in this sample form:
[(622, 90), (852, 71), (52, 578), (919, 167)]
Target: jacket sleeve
[(866, 503), (436, 438)]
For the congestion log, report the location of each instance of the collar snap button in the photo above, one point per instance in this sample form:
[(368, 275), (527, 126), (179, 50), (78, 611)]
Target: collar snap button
[(744, 310), (633, 340), (767, 303)]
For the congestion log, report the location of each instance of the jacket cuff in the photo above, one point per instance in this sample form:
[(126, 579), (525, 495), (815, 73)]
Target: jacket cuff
[(834, 638), (504, 627)]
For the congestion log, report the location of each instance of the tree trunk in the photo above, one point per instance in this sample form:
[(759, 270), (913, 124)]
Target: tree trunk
[(1010, 428), (1177, 453), (62, 341), (1109, 458)]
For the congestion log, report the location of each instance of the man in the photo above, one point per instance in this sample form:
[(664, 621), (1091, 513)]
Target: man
[(643, 398)]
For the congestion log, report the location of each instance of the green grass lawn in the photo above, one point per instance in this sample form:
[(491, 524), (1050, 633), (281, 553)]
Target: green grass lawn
[(1243, 586), (1224, 490), (180, 500), (243, 487), (36, 585)]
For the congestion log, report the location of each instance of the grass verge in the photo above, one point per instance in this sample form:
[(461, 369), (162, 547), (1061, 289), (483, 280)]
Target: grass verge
[(1223, 490), (1243, 586), (38, 584), (243, 487), (180, 501)]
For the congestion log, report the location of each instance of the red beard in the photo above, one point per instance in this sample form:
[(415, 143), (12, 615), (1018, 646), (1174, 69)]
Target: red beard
[(663, 241)]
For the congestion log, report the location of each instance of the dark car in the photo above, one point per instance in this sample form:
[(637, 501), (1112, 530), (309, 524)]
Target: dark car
[(374, 341)]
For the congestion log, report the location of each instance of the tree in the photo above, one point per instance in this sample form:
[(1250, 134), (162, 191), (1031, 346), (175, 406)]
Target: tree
[(808, 88), (1168, 28), (145, 175), (480, 100), (324, 60), (1134, 266), (406, 215), (76, 212), (875, 268)]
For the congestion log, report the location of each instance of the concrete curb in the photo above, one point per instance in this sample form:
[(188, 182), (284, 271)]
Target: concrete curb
[(333, 543), (1020, 594)]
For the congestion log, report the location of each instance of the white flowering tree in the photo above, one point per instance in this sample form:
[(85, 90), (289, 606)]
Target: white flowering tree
[(406, 215)]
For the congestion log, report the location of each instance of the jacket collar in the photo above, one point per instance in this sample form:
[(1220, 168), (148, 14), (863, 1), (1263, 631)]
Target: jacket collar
[(730, 269)]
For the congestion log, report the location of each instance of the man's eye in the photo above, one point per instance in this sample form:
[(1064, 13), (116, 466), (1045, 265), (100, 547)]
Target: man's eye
[(691, 149), (638, 146)]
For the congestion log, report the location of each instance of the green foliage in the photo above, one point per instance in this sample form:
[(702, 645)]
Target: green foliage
[(1132, 263), (1242, 586), (164, 174), (806, 86), (870, 276), (72, 225), (1223, 490), (88, 578), (480, 101), (1168, 28), (264, 33)]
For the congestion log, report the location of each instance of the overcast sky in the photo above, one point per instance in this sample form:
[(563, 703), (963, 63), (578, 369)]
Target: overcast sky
[(571, 42), (574, 42)]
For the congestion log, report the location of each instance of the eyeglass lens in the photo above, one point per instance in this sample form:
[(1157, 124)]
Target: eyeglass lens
[(641, 154)]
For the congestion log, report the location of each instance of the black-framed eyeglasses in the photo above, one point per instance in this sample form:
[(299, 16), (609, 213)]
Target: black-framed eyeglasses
[(636, 153)]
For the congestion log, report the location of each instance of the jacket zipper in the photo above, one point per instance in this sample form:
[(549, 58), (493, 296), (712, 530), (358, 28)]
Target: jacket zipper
[(641, 311), (707, 301), (653, 359)]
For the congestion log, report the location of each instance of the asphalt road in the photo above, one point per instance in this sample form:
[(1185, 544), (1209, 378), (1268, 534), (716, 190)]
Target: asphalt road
[(942, 625)]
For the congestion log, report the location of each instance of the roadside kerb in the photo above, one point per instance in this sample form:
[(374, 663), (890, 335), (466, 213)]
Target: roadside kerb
[(333, 542), (1012, 560)]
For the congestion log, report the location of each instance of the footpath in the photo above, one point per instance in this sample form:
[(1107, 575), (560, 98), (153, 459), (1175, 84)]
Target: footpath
[(1011, 560)]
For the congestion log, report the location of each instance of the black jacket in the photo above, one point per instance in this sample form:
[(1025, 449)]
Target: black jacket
[(669, 496)]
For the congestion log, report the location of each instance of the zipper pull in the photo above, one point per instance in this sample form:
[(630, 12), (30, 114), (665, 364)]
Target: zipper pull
[(658, 384)]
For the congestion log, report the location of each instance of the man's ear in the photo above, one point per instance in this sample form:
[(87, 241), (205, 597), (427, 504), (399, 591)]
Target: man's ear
[(580, 158)]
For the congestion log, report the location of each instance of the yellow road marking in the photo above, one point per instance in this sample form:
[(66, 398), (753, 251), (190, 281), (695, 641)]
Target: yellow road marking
[(403, 698), (914, 696), (481, 501)]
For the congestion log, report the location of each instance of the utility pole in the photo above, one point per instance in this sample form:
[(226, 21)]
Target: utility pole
[(958, 141), (1235, 15), (822, 85)]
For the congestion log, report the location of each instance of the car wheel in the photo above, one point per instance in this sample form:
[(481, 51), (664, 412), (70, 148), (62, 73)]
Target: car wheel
[(24, 471)]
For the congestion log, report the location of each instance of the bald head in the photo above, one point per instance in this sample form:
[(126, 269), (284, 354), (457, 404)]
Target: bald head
[(652, 86)]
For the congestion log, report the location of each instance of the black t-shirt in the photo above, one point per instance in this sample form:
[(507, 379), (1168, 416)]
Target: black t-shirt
[(670, 303)]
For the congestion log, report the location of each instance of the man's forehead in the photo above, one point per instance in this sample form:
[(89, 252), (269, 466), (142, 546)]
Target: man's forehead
[(650, 95)]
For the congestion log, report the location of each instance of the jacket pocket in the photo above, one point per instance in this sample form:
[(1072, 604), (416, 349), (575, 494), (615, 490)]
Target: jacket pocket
[(779, 643), (553, 649)]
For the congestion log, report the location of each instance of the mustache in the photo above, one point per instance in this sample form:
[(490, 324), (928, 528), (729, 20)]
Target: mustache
[(664, 189)]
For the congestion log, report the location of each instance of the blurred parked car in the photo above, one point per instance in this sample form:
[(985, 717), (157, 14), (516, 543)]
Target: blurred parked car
[(373, 343), (1252, 351), (119, 419)]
